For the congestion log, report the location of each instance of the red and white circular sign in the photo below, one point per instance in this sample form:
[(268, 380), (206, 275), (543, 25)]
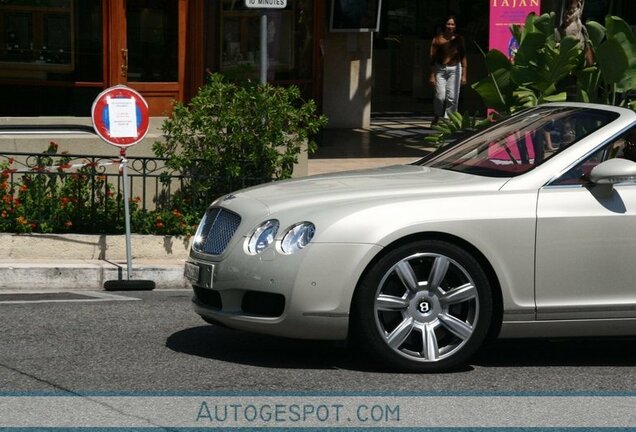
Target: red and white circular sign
[(120, 116)]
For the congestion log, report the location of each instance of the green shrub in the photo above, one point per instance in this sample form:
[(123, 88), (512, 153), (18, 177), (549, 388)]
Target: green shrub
[(232, 136)]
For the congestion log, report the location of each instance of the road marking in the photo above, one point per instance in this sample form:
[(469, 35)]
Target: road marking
[(30, 297)]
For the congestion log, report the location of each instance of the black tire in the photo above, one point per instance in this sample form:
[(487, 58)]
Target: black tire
[(409, 325), (129, 285)]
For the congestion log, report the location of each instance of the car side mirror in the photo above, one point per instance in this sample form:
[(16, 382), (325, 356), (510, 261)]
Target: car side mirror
[(614, 171)]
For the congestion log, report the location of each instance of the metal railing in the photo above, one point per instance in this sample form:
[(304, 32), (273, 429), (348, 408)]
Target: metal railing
[(34, 180), (150, 178)]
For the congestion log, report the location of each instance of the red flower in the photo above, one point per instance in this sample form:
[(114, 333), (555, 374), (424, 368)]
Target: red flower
[(68, 224), (24, 188), (4, 213), (11, 160), (159, 224)]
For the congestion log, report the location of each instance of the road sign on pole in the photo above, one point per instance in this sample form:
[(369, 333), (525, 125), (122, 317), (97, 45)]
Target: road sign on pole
[(120, 117), (263, 5), (266, 4)]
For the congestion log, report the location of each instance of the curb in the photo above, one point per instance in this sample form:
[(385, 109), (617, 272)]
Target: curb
[(86, 274)]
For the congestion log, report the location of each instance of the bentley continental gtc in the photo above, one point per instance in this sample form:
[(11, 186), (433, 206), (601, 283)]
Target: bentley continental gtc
[(524, 229)]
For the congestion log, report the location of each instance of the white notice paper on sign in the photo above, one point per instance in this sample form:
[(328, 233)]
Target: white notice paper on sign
[(122, 116)]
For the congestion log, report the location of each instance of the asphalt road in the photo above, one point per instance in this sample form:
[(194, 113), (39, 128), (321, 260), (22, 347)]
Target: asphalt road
[(156, 343)]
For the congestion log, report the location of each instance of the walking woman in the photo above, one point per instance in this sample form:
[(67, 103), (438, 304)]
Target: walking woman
[(448, 68)]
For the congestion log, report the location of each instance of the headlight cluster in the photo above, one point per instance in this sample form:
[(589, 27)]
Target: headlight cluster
[(295, 238)]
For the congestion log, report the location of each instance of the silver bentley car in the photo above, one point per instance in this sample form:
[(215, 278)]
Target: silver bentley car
[(524, 229)]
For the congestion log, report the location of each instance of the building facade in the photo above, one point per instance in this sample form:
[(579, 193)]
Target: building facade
[(56, 56)]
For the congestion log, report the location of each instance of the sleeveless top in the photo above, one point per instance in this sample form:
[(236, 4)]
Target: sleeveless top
[(453, 51)]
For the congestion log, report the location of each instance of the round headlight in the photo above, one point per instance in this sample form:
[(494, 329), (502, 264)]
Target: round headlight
[(297, 237), (262, 237)]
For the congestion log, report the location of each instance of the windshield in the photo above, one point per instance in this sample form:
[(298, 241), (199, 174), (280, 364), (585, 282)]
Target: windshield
[(522, 142)]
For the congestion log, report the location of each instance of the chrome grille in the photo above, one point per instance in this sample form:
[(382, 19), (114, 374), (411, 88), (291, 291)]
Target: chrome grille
[(218, 228)]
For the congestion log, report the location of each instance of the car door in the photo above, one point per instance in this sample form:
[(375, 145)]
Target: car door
[(586, 245)]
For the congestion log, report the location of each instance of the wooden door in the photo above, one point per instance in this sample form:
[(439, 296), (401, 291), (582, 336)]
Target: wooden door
[(146, 41)]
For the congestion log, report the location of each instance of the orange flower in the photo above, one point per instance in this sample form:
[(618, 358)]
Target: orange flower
[(24, 188), (4, 186), (21, 220)]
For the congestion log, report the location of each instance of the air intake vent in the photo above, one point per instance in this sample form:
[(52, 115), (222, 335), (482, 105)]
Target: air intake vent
[(219, 225)]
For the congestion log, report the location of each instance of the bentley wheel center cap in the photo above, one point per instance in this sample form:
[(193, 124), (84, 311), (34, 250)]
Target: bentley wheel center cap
[(425, 308)]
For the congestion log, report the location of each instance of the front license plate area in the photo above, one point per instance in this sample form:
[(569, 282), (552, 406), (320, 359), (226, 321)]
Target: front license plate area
[(199, 274)]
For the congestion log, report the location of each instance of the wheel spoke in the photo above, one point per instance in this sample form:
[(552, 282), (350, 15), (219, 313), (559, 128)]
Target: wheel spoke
[(438, 272), (397, 337), (459, 328), (460, 294), (430, 350), (407, 275), (391, 303)]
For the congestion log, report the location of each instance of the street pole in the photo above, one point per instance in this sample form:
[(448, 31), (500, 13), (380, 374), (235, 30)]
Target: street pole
[(124, 172), (263, 46)]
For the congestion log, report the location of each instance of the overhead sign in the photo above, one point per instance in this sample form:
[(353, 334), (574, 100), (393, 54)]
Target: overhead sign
[(266, 4), (120, 116)]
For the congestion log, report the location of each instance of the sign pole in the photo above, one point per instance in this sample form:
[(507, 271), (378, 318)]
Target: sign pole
[(120, 117), (124, 173), (263, 6), (264, 64)]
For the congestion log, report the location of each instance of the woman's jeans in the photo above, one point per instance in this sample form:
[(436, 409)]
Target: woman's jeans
[(447, 83)]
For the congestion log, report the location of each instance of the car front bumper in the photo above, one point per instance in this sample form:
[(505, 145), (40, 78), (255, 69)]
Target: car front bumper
[(306, 295)]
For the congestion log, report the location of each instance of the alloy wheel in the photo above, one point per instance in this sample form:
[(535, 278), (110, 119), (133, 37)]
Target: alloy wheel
[(426, 307)]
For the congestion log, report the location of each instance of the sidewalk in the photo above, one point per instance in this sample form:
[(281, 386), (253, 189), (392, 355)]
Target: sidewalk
[(391, 139)]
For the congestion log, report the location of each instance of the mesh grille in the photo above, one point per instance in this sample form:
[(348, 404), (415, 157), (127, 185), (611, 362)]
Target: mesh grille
[(220, 226)]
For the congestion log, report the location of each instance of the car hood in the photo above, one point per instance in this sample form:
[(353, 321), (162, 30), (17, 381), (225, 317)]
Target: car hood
[(393, 182)]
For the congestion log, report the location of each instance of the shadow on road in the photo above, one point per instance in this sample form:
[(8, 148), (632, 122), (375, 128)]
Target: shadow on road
[(265, 351), (571, 352), (274, 352)]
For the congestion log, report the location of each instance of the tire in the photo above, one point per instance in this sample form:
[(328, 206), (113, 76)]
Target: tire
[(425, 307), (129, 285)]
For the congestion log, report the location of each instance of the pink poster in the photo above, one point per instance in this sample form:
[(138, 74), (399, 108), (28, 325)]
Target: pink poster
[(504, 13)]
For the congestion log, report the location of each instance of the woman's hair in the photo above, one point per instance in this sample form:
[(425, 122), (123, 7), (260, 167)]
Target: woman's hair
[(449, 17)]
